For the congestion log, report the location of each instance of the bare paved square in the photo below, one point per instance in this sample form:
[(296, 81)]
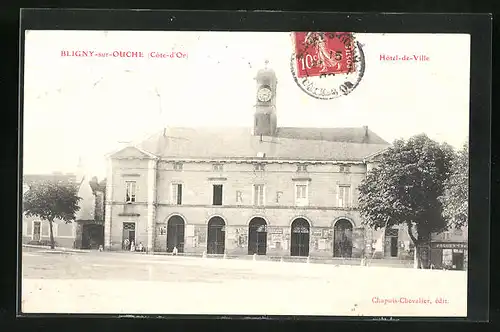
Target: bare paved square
[(102, 282)]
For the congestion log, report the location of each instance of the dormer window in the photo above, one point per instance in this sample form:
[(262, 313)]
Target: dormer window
[(345, 169), (177, 166), (301, 168), (259, 167), (217, 167)]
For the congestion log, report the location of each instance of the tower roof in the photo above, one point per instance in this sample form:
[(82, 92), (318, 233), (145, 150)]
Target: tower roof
[(266, 71)]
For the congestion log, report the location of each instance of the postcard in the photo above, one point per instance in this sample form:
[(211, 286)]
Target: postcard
[(316, 173)]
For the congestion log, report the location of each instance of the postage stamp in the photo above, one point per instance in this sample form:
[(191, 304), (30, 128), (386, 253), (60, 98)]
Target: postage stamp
[(327, 65)]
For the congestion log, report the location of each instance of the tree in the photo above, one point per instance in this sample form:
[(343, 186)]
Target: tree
[(456, 195), (404, 190), (50, 201)]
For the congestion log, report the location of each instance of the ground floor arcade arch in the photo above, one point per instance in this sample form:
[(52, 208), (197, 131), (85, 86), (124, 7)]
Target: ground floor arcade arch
[(257, 236), (216, 237), (299, 237), (175, 233)]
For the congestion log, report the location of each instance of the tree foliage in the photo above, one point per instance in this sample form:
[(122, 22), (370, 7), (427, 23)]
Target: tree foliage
[(405, 187), (455, 199), (50, 201)]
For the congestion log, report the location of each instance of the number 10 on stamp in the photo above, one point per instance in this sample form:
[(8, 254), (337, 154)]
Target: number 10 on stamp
[(323, 53)]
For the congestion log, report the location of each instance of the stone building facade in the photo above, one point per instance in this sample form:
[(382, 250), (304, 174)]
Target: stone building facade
[(266, 190)]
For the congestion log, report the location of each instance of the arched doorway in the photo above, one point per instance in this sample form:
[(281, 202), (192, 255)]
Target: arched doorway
[(216, 239), (299, 245), (175, 234), (257, 236), (342, 239)]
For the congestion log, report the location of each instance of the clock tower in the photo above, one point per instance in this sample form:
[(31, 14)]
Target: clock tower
[(265, 121)]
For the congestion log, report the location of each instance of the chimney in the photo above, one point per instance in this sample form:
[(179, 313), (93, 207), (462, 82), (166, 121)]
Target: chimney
[(365, 137)]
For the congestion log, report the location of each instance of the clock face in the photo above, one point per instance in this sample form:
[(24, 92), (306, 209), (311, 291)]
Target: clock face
[(264, 94)]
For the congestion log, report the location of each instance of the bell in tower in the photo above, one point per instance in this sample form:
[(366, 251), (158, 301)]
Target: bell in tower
[(265, 121)]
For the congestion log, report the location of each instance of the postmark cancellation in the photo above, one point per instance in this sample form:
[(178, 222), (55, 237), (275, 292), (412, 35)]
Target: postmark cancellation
[(327, 65)]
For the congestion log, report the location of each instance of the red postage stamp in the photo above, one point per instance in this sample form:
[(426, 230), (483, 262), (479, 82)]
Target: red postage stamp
[(320, 53), (327, 65)]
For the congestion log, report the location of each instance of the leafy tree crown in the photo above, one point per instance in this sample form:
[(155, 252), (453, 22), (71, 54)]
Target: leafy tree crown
[(406, 184), (49, 201), (455, 199)]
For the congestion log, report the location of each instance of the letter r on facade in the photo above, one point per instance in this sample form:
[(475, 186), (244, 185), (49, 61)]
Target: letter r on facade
[(239, 198)]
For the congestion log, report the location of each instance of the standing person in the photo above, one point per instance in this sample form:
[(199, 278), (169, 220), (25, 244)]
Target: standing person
[(125, 244), (132, 246), (174, 252)]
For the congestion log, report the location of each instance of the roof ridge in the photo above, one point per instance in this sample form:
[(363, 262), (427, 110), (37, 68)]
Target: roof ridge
[(357, 127), (239, 141), (206, 127), (241, 127)]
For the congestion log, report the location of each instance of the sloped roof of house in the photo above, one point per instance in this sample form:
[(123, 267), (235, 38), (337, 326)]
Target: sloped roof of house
[(30, 179), (343, 144)]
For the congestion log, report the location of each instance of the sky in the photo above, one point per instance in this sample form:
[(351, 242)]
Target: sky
[(81, 108)]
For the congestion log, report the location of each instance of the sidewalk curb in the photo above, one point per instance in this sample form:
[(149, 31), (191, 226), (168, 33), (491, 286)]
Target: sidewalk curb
[(56, 249)]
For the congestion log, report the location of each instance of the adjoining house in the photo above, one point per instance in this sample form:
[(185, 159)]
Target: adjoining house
[(266, 190), (36, 230), (87, 231), (449, 249), (90, 217)]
